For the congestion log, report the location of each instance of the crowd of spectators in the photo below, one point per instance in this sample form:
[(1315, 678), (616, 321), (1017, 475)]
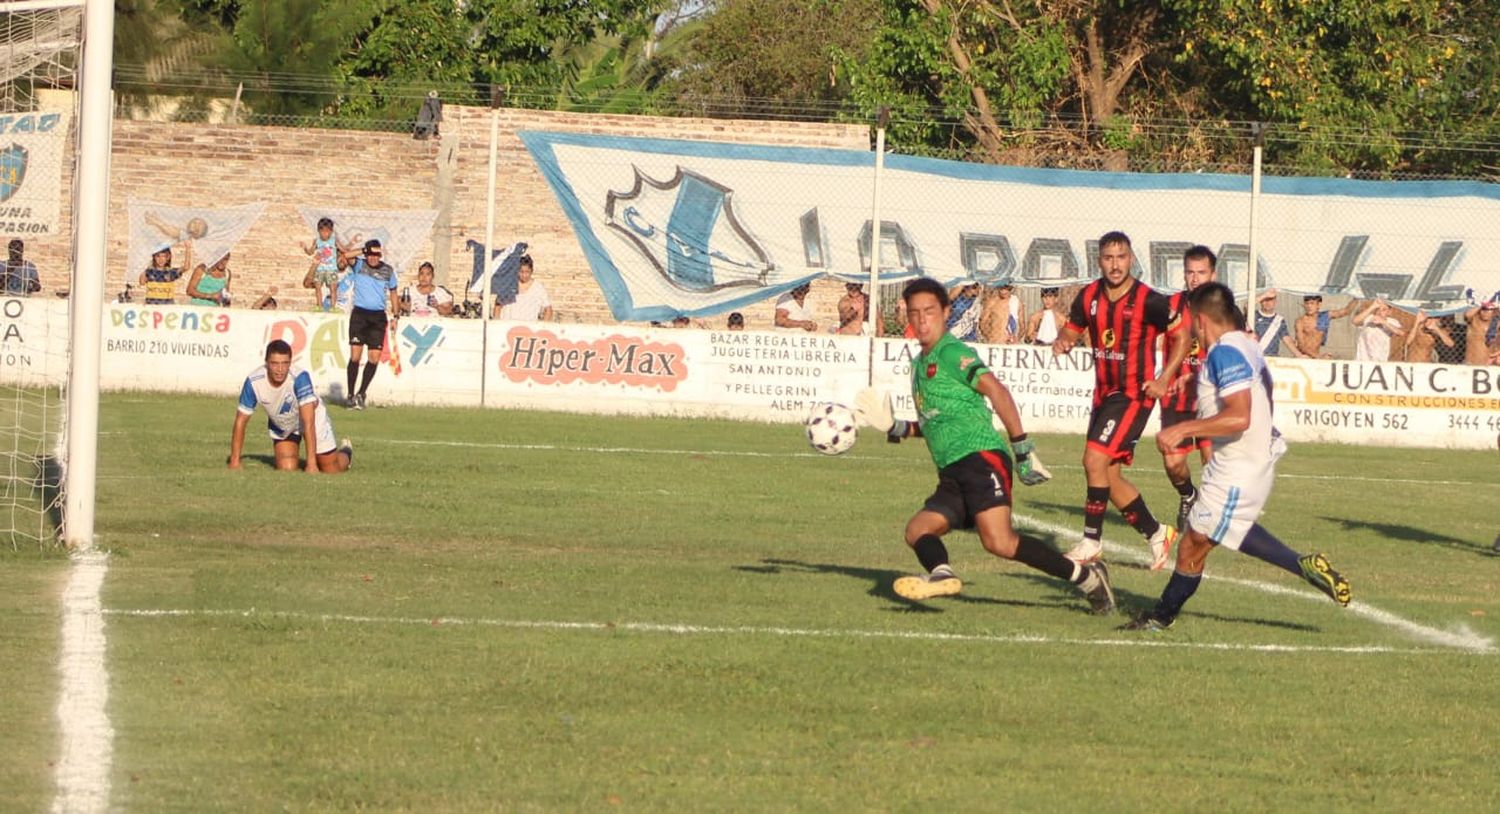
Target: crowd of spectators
[(993, 314)]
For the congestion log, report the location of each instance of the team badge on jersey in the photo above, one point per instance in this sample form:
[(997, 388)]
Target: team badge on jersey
[(931, 369), (1107, 338)]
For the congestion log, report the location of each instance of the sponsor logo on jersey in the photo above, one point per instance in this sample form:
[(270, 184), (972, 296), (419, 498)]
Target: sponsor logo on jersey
[(1107, 338), (965, 361)]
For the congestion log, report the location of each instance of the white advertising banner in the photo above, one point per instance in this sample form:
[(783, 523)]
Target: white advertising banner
[(730, 374), (720, 374), (33, 342)]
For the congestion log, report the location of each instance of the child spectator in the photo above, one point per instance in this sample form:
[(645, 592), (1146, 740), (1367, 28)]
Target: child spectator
[(324, 273)]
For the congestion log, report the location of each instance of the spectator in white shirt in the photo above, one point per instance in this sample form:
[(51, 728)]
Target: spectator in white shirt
[(532, 302), (1376, 327), (792, 313), (426, 298)]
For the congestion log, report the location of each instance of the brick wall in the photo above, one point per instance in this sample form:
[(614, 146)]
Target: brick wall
[(217, 165)]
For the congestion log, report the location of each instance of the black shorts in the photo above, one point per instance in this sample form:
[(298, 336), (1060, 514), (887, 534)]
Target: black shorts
[(1116, 425), (367, 328), (1171, 417), (970, 485)]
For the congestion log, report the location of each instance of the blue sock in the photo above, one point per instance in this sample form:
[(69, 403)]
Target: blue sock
[(1262, 545), (1180, 588)]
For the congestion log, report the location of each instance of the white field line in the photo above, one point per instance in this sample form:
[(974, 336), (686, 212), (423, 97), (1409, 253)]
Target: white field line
[(1461, 637), (749, 630), (84, 763), (722, 453)]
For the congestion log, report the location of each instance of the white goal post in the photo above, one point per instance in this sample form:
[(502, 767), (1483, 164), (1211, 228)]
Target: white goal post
[(91, 217), (55, 121)]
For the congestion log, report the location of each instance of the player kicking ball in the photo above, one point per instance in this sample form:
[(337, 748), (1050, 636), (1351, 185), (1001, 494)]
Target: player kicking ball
[(294, 412), (951, 386), (1234, 409)]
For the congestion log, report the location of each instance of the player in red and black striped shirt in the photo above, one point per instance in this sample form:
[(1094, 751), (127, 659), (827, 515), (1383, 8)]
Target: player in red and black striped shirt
[(1199, 266), (1123, 318)]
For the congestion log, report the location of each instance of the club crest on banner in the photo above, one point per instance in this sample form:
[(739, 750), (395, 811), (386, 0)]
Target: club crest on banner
[(686, 227), (13, 161)]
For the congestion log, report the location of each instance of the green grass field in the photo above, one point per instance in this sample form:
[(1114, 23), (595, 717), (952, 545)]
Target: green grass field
[(531, 611)]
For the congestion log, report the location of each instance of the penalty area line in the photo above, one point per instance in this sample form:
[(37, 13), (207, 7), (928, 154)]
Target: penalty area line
[(769, 631), (1462, 637)]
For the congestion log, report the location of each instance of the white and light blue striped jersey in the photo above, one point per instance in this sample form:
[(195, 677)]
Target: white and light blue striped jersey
[(1234, 364), (282, 403)]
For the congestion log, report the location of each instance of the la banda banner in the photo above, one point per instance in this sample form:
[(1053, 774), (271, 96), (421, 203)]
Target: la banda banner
[(700, 228), (742, 375)]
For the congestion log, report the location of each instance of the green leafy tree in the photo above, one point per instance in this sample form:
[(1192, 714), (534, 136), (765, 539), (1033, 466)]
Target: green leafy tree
[(285, 52), (769, 57), (1351, 83), (998, 69)]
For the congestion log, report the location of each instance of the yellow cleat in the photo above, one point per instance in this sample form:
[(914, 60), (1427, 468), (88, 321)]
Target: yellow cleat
[(927, 587)]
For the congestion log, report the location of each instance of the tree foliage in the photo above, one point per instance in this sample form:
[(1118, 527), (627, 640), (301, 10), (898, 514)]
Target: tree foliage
[(1376, 87), (1071, 82), (768, 57)]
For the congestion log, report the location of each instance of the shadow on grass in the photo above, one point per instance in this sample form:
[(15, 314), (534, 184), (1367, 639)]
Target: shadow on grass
[(1407, 534), (879, 580), (268, 461)]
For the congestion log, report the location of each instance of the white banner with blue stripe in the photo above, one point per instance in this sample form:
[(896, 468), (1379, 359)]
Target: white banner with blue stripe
[(690, 227)]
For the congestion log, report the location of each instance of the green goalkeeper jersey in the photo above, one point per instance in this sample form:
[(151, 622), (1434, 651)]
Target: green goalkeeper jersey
[(955, 418)]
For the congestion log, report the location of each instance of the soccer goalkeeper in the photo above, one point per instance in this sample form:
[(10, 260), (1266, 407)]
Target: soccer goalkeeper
[(951, 385)]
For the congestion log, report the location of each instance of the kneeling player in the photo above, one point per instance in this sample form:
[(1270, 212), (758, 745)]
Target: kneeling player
[(294, 412), (951, 385), (1234, 405)]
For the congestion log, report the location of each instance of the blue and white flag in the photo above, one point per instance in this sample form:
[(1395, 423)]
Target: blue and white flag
[(698, 228)]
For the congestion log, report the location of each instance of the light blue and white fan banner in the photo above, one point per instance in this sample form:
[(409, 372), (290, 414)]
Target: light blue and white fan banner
[(701, 228), (403, 233), (212, 232)]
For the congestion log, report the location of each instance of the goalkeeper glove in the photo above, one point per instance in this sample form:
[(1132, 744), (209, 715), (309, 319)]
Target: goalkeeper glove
[(1028, 466), (873, 407)]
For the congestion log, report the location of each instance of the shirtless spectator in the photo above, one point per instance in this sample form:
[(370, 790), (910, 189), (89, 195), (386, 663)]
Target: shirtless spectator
[(1312, 326), (1003, 318), (1479, 319), (854, 306), (1041, 329), (1423, 337), (792, 313)]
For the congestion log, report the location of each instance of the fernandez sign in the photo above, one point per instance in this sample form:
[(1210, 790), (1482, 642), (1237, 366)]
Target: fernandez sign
[(699, 228)]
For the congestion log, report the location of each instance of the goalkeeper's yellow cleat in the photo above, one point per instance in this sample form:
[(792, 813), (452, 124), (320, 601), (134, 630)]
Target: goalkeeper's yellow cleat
[(928, 586), (1317, 570)]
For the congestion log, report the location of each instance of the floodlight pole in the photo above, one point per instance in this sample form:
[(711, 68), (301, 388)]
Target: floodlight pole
[(91, 217), (1258, 133), (872, 300), (486, 299)]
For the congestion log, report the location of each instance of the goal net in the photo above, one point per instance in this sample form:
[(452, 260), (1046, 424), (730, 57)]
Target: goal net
[(40, 53)]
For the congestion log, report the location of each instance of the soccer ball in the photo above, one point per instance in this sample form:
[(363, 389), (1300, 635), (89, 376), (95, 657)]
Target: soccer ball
[(831, 428)]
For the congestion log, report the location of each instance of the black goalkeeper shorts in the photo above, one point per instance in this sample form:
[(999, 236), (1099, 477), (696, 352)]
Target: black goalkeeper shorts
[(970, 485)]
